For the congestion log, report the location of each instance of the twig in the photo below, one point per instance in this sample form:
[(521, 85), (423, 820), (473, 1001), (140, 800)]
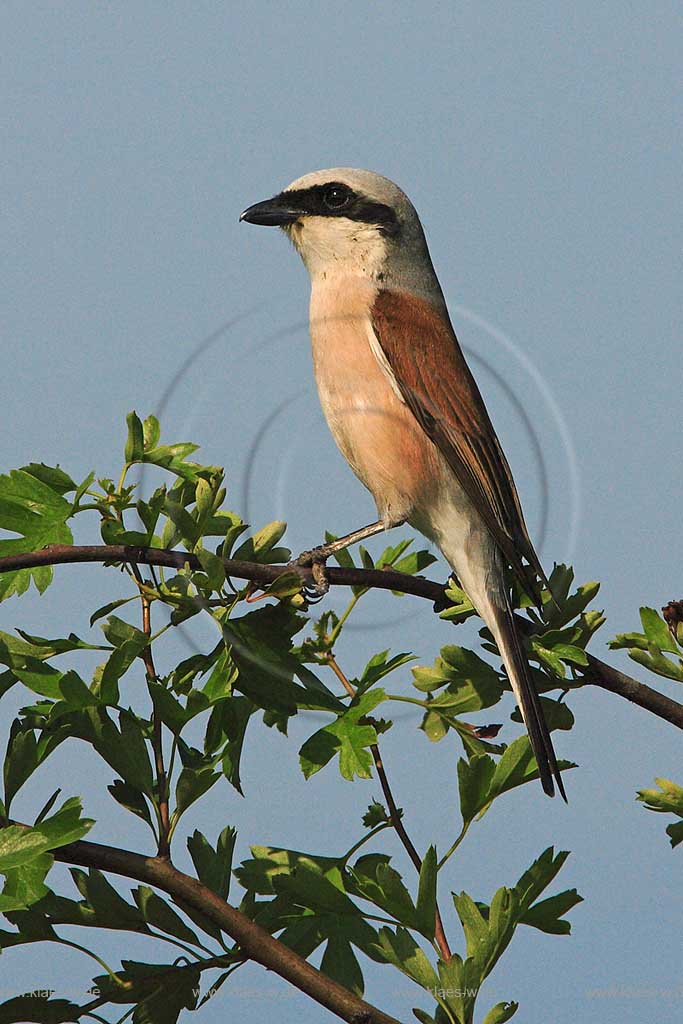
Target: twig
[(157, 738), (598, 673), (394, 813)]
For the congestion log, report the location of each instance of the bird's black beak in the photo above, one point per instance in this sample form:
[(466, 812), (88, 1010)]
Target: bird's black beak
[(272, 212)]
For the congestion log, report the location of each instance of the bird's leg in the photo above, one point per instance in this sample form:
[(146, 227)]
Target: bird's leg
[(315, 558)]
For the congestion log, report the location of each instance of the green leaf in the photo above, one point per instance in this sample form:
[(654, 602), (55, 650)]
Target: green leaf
[(546, 914), (317, 751), (159, 914), (460, 608), (38, 1010), (668, 799), (159, 991), (514, 766), (423, 1016), (219, 684), (471, 684), (474, 782), (426, 895), (213, 867), (434, 726), (400, 949), (118, 632), (108, 907), (21, 760), (348, 736), (132, 799), (520, 768), (310, 885), (191, 785), (657, 631), (647, 648), (213, 567), (373, 878), (24, 884), (500, 1013), (135, 442), (31, 506), (152, 432), (52, 476), (125, 751), (675, 833), (459, 986), (379, 666), (106, 609), (376, 814), (171, 711), (657, 662), (66, 825), (259, 873), (261, 547), (19, 844), (261, 649), (340, 963), (45, 680), (556, 713), (235, 716), (40, 647)]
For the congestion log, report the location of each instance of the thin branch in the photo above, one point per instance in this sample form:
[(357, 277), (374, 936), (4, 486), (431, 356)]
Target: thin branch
[(598, 673), (254, 941), (394, 813), (157, 737)]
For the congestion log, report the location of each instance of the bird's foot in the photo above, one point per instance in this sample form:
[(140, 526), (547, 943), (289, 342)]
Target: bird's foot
[(315, 560)]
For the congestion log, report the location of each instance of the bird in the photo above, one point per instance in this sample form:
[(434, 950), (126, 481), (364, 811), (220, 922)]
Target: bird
[(403, 406)]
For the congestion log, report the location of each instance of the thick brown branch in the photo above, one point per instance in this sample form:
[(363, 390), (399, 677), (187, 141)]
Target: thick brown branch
[(256, 943), (598, 672)]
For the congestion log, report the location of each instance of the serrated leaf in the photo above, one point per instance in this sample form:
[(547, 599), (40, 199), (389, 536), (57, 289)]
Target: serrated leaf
[(191, 785), (131, 798), (471, 683), (213, 867), (347, 736), (36, 511), (339, 962), (376, 814), (546, 915), (109, 908), (400, 949), (474, 782), (20, 845), (159, 914)]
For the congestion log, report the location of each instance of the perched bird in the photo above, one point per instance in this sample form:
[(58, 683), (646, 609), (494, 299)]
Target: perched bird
[(402, 404)]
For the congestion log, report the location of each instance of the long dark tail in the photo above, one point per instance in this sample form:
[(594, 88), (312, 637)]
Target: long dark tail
[(501, 622)]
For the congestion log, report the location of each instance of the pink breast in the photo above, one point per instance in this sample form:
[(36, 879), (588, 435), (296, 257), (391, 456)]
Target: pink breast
[(374, 429)]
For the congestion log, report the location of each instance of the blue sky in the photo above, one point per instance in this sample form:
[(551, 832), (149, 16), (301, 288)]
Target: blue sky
[(538, 143)]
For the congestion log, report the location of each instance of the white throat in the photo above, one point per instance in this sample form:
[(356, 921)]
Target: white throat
[(333, 245)]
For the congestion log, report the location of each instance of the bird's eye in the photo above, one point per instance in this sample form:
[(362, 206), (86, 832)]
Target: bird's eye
[(336, 196)]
